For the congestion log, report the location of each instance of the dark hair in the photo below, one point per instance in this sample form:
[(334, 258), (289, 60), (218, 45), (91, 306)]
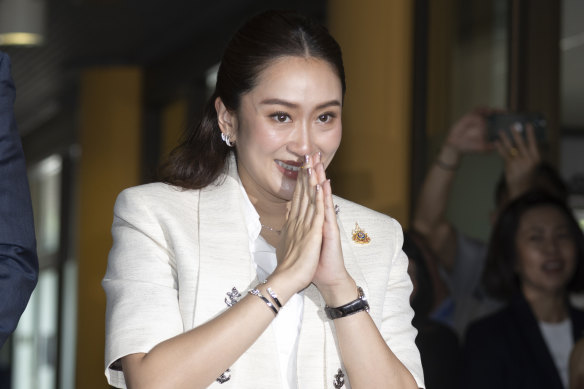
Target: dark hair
[(499, 276), (544, 178), (423, 300), (201, 155)]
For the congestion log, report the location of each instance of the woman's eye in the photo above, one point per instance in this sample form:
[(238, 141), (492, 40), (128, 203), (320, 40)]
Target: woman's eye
[(325, 118), (564, 235), (281, 117)]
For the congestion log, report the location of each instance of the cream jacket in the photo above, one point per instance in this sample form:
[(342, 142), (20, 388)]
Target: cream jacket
[(176, 253)]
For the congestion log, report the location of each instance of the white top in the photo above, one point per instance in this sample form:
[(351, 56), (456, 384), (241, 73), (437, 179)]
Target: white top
[(558, 338), (286, 325)]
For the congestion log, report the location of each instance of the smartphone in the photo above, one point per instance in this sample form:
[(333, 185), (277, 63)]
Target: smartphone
[(510, 121)]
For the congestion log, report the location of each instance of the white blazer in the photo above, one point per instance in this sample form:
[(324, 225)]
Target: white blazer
[(176, 253)]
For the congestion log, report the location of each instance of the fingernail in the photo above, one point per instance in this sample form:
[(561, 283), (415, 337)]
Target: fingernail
[(319, 155), (317, 188), (306, 158), (309, 170)]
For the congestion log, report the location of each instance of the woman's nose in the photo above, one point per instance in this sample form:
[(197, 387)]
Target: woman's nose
[(552, 245), (301, 140)]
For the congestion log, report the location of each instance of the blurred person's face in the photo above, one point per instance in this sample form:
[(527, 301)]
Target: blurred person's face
[(546, 251), (294, 110)]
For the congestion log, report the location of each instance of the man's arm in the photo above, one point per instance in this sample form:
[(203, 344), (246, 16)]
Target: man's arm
[(18, 258)]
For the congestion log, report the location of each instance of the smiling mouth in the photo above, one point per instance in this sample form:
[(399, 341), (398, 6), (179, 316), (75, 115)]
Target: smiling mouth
[(287, 166), (553, 266)]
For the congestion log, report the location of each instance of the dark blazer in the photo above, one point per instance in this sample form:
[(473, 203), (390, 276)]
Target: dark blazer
[(18, 258), (507, 350)]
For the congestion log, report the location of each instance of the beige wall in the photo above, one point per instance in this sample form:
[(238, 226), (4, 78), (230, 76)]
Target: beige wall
[(109, 125), (372, 166)]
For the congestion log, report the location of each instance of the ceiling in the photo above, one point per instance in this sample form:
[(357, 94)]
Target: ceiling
[(156, 35), (147, 33)]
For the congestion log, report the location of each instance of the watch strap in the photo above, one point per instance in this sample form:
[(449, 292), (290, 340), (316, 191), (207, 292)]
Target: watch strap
[(358, 305)]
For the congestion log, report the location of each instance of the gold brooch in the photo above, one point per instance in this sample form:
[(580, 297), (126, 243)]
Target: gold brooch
[(360, 236)]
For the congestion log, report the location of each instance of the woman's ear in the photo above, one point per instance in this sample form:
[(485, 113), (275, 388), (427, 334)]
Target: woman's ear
[(226, 119)]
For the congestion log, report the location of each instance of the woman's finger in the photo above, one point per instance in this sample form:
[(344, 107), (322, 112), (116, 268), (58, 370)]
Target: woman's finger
[(319, 169), (517, 133), (312, 180), (509, 149), (296, 197), (532, 142), (318, 219), (330, 216), (500, 149), (505, 140), (302, 181)]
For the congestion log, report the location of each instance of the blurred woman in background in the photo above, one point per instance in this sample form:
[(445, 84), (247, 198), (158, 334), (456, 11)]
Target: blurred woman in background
[(535, 258)]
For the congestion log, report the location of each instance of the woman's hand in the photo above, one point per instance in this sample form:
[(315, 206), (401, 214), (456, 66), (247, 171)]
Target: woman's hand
[(520, 156), (469, 133), (300, 244), (331, 277)]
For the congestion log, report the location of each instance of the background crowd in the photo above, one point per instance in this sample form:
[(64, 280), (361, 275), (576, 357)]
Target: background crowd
[(499, 312)]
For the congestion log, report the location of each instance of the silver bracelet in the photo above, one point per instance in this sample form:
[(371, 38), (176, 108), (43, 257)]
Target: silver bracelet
[(274, 297), (256, 292)]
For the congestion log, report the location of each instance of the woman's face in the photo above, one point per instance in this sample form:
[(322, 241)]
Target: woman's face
[(294, 110), (546, 251)]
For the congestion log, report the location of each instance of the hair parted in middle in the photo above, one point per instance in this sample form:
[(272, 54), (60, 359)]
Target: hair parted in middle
[(201, 155)]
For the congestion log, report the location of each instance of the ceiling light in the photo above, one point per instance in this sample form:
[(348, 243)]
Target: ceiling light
[(22, 22)]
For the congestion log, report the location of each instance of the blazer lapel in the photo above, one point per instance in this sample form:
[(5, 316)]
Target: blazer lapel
[(224, 257), (224, 263), (533, 340)]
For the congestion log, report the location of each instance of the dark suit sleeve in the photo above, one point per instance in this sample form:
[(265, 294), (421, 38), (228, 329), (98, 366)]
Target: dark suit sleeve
[(18, 258), (482, 357)]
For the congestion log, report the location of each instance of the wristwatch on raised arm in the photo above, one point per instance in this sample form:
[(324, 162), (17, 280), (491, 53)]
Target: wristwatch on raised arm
[(358, 305)]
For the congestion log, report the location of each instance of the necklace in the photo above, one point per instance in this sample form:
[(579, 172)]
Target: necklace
[(271, 229)]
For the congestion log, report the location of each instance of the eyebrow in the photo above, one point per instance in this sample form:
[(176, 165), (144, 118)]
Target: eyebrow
[(285, 103)]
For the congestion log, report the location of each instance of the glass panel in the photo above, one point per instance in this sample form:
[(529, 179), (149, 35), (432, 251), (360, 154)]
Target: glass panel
[(479, 78), (479, 71), (45, 185), (69, 324), (572, 63), (34, 360)]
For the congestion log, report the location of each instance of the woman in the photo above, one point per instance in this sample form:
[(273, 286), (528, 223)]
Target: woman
[(535, 259), (246, 205)]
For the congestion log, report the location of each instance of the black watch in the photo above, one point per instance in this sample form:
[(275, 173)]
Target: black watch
[(354, 306)]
